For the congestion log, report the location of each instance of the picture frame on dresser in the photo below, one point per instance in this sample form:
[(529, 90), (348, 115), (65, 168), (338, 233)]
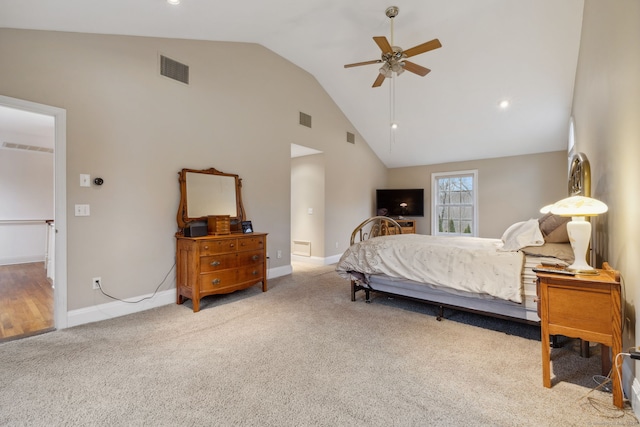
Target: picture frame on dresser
[(247, 227)]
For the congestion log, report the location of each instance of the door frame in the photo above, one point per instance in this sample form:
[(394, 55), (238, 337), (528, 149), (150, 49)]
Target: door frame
[(60, 200)]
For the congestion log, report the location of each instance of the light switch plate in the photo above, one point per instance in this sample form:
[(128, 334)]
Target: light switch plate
[(85, 180), (82, 210)]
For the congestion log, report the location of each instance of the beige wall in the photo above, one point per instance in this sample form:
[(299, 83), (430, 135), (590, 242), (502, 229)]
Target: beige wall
[(308, 192), (510, 189), (606, 110), (137, 129)]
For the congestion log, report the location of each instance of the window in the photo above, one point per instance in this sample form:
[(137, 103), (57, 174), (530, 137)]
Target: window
[(454, 203)]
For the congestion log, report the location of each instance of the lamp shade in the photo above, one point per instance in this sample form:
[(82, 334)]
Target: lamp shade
[(578, 206), (546, 209)]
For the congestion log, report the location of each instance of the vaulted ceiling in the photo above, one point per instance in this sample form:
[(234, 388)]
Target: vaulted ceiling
[(522, 51)]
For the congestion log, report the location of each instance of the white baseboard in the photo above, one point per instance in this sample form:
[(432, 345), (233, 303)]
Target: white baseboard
[(272, 273), (113, 309), (635, 397), (316, 260), (21, 260)]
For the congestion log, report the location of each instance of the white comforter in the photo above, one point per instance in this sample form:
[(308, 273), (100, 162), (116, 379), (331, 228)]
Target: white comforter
[(469, 264)]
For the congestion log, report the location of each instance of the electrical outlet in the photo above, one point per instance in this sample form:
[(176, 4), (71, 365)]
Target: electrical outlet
[(279, 254), (96, 283)]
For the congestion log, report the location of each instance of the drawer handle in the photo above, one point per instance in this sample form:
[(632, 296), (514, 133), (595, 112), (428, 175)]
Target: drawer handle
[(231, 245), (206, 247), (255, 257), (215, 281), (243, 244), (255, 272), (215, 263)]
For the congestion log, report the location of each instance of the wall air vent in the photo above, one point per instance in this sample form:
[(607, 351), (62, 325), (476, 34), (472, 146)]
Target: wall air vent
[(351, 138), (174, 69), (305, 119), (301, 248), (13, 146)]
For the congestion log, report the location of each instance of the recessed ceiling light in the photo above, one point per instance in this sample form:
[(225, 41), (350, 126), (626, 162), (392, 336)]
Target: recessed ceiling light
[(394, 126), (504, 104), (173, 1)]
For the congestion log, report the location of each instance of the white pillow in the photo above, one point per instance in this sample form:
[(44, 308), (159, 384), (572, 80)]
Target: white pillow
[(521, 234)]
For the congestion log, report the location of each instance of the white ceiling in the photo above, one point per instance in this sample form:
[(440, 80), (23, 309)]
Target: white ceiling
[(26, 128), (525, 51)]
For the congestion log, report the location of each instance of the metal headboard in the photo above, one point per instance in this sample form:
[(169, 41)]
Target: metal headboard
[(374, 227), (580, 176)]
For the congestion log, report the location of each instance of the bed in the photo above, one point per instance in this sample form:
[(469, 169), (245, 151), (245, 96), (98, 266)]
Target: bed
[(490, 276), (468, 273)]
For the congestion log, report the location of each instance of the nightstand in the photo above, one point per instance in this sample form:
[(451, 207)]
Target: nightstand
[(582, 306)]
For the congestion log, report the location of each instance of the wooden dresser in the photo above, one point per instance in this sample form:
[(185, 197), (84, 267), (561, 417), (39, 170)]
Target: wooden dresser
[(219, 264), (408, 226)]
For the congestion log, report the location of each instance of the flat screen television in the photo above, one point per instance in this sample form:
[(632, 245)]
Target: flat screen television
[(400, 202)]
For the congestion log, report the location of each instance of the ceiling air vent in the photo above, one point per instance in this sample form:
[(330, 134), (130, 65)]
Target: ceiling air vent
[(174, 69), (305, 119), (351, 138), (13, 146)]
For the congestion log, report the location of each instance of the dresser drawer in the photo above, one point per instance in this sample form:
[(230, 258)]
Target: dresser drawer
[(251, 243), (250, 258), (218, 246), (218, 262), (217, 280), (253, 272)]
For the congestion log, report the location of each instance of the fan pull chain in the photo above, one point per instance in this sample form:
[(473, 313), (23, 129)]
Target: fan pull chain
[(392, 97), (392, 111)]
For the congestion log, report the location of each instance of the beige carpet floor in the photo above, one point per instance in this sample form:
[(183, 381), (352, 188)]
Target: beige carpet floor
[(301, 354)]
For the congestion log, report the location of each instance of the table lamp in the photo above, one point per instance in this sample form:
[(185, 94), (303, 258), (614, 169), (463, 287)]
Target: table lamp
[(579, 228)]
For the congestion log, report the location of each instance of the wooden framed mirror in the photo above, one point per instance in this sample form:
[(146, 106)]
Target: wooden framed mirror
[(209, 192)]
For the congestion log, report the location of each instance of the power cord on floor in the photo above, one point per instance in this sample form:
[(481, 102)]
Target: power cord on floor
[(603, 408), (141, 299), (604, 381)]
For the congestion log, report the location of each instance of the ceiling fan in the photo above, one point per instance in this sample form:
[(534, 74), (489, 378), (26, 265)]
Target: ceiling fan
[(393, 58)]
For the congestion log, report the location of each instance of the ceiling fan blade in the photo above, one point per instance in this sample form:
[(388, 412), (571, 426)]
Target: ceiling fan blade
[(415, 68), (357, 64), (379, 80), (422, 48), (383, 44)]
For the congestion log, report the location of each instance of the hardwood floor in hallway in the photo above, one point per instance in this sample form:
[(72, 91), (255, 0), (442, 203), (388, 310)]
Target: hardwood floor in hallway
[(26, 300)]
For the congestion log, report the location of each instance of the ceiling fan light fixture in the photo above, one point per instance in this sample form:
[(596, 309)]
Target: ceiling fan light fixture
[(397, 68), (385, 70)]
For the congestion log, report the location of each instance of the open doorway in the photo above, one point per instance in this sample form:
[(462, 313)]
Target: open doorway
[(32, 217), (307, 204)]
